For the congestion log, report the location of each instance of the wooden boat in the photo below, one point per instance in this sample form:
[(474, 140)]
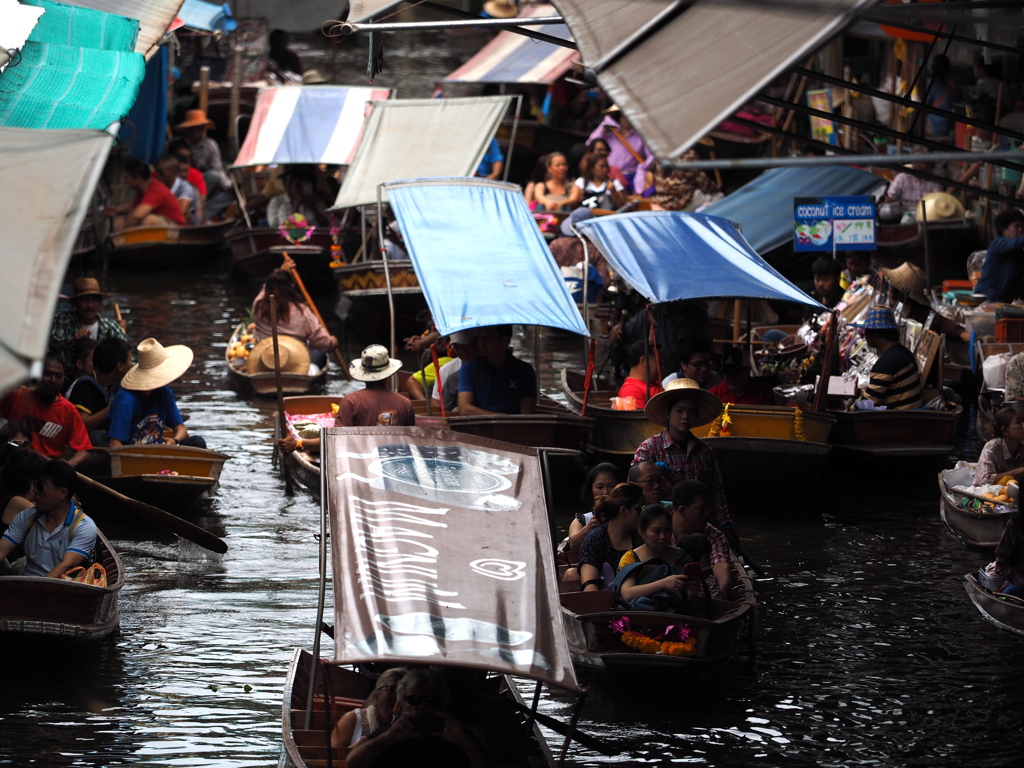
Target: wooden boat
[(141, 248), (597, 648), (265, 383), (36, 608), (165, 476), (366, 278), (616, 433), (981, 528), (256, 252), (915, 436), (1005, 611)]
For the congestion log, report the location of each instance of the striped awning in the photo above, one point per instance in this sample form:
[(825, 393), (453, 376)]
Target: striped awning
[(512, 58), (307, 124)]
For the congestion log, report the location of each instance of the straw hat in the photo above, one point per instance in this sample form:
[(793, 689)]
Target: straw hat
[(313, 77), (613, 109), (292, 352), (374, 364), (87, 286), (940, 206), (910, 279), (878, 319), (708, 406), (501, 9), (158, 365), (193, 118)]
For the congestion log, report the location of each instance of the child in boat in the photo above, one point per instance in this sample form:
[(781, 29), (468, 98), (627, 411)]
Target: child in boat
[(599, 190), (601, 480), (1004, 454)]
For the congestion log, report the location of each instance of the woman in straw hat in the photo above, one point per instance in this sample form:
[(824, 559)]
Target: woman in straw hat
[(909, 284), (680, 454), (83, 321), (295, 319), (145, 404)]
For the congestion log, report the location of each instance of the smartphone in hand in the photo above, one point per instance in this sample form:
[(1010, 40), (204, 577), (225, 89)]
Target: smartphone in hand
[(692, 570)]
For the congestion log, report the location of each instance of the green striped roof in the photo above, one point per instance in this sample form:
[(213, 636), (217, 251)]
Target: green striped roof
[(83, 27)]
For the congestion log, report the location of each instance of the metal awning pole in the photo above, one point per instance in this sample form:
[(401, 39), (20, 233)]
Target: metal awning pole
[(844, 159), (512, 136), (322, 595), (387, 274), (345, 28)]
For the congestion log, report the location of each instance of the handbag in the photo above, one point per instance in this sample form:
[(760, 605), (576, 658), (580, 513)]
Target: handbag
[(94, 575)]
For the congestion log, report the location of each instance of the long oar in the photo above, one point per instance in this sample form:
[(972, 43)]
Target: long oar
[(172, 523), (282, 420), (563, 729), (312, 305)]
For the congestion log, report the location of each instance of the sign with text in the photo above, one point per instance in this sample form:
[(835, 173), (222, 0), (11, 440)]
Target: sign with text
[(834, 223)]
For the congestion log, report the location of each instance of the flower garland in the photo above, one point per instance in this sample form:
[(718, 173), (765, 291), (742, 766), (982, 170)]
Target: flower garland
[(798, 425), (685, 646), (722, 426), (296, 229)]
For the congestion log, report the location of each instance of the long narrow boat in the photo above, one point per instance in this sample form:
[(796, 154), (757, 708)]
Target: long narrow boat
[(906, 437), (36, 608), (166, 476), (1005, 611), (982, 527), (144, 248), (597, 647), (493, 617), (265, 383), (258, 251), (366, 278)]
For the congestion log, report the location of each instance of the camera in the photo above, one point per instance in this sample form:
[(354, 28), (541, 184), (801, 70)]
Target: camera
[(427, 723)]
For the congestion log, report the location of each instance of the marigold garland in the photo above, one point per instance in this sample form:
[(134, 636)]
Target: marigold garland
[(726, 430), (798, 425), (687, 645)]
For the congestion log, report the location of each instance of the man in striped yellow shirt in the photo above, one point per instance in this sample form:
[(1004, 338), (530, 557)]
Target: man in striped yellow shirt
[(895, 381)]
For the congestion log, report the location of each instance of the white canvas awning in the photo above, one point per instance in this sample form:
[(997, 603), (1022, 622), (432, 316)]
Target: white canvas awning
[(420, 138), (47, 179), (154, 16), (16, 23), (292, 15), (687, 75), (361, 10)]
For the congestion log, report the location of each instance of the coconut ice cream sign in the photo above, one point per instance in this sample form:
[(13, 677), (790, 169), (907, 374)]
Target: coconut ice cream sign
[(834, 223)]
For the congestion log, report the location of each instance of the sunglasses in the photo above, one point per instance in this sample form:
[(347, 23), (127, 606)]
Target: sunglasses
[(416, 700)]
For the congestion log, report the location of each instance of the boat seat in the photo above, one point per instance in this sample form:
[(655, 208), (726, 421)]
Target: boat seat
[(565, 587), (587, 602)]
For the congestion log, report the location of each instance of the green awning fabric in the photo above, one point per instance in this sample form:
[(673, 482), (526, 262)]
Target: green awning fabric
[(83, 27)]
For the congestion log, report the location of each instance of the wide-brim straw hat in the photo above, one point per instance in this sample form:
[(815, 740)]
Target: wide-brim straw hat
[(158, 365), (708, 406), (86, 286), (292, 352), (910, 279), (939, 205), (313, 77), (374, 364), (193, 118), (501, 9), (613, 109)]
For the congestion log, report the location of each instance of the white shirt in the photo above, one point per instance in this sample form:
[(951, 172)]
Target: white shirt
[(596, 189)]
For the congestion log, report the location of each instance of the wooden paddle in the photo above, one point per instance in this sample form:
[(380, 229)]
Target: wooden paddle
[(305, 295), (172, 523), (282, 419)]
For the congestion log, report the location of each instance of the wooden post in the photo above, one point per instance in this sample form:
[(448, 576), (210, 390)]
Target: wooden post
[(282, 419), (236, 91), (204, 89)]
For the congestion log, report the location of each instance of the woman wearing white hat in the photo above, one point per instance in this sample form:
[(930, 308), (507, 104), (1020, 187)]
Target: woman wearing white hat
[(145, 404)]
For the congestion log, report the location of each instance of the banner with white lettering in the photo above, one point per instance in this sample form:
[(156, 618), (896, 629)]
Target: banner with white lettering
[(834, 223), (442, 553)]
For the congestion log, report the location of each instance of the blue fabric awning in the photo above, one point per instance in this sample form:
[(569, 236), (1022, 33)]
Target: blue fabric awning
[(207, 17), (764, 207), (667, 255), (479, 255)]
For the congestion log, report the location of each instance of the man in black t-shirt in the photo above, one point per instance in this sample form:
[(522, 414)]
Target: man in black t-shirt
[(91, 394)]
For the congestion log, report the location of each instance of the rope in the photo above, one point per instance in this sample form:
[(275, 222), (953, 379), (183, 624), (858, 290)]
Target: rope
[(654, 340), (590, 373)]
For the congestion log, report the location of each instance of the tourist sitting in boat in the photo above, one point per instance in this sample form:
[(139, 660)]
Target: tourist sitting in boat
[(463, 346), (858, 265), (690, 511), (425, 377), (537, 174), (599, 190), (600, 148), (1002, 276), (168, 170), (423, 732), (1009, 562), (556, 192), (681, 190), (17, 490), (145, 404), (355, 726), (651, 577), (895, 381), (54, 424), (828, 288), (55, 534), (83, 321), (603, 547), (638, 386), (294, 318), (181, 152), (678, 452), (82, 361), (600, 481), (496, 381), (91, 394), (694, 356), (207, 160), (1004, 454), (907, 189), (300, 196), (739, 387), (492, 163), (152, 206), (647, 475), (673, 323), (628, 152)]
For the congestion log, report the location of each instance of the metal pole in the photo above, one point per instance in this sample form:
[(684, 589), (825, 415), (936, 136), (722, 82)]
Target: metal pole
[(344, 29), (512, 136), (204, 89), (321, 597), (842, 159), (927, 253), (236, 91), (387, 274)]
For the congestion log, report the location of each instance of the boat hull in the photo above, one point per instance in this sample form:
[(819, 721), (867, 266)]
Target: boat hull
[(1002, 610), (367, 278), (145, 248), (265, 384), (906, 437), (973, 527), (258, 251)]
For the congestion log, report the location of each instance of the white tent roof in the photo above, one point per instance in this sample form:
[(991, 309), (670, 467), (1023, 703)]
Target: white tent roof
[(154, 16), (47, 179), (708, 61), (360, 10), (420, 138)]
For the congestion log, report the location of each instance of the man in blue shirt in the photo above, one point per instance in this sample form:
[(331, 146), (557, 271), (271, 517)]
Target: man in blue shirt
[(493, 162), (496, 381), (1002, 276)]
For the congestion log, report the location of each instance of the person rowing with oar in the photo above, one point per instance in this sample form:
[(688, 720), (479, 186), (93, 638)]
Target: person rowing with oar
[(295, 318)]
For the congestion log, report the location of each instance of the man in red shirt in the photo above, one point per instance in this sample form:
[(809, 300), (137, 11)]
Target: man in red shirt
[(153, 206), (53, 423), (738, 386), (636, 385)]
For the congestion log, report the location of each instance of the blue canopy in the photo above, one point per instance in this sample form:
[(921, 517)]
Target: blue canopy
[(207, 17), (667, 255), (764, 207), (479, 255)]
